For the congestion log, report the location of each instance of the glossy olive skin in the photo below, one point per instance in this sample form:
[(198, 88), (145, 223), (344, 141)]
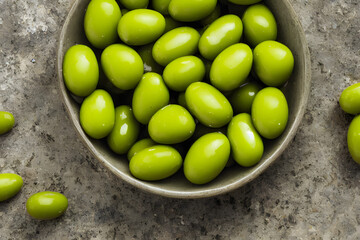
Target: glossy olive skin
[(140, 145), (10, 185), (183, 71), (231, 67), (259, 24), (246, 144), (273, 63), (222, 33), (270, 112), (141, 27), (155, 163), (134, 4), (242, 98), (97, 114), (212, 17), (244, 2), (161, 6), (122, 65), (125, 131), (179, 42), (353, 139), (46, 205), (150, 95), (191, 10), (100, 22), (7, 122), (208, 105), (350, 99), (206, 158), (172, 124), (150, 65), (80, 70)]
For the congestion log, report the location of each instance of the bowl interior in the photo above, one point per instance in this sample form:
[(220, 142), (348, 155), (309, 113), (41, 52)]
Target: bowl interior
[(296, 90)]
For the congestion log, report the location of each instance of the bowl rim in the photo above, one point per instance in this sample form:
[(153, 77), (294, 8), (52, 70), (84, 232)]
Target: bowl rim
[(145, 186)]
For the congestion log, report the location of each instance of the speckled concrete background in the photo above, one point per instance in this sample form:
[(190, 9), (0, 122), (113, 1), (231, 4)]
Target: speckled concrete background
[(311, 192)]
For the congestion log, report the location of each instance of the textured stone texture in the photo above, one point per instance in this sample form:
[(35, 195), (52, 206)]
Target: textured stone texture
[(311, 192)]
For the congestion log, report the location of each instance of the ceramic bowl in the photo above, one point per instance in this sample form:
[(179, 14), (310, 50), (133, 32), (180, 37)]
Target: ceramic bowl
[(297, 89)]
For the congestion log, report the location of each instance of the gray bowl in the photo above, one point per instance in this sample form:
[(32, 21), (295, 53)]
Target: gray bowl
[(296, 91)]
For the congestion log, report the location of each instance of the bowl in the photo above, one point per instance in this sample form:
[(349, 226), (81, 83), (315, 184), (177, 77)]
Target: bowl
[(296, 91)]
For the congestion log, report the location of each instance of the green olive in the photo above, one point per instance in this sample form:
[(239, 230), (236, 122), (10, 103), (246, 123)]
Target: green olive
[(107, 85), (134, 4), (162, 6), (176, 43), (190, 10), (244, 2), (246, 144), (97, 114), (155, 163), (212, 17), (273, 63), (81, 70), (150, 65), (270, 112), (122, 65), (125, 131), (231, 67), (183, 71), (353, 139), (149, 96), (10, 185), (350, 99), (206, 158), (242, 98), (7, 122), (171, 124), (141, 27), (259, 24), (222, 33), (100, 22), (46, 205), (140, 145), (208, 105)]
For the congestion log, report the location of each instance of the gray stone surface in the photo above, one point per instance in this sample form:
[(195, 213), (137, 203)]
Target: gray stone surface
[(311, 192)]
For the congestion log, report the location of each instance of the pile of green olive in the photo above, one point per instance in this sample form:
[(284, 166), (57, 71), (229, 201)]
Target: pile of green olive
[(180, 83), (350, 103), (42, 205)]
